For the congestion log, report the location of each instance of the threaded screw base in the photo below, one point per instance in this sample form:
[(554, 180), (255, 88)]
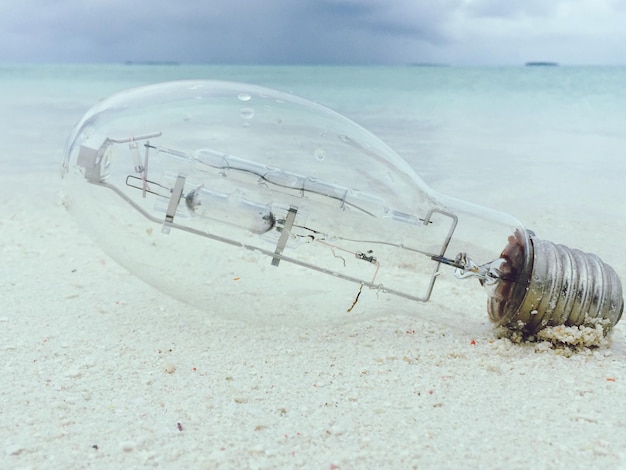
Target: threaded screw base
[(558, 286)]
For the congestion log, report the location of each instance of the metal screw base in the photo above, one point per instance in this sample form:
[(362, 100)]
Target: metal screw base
[(556, 285)]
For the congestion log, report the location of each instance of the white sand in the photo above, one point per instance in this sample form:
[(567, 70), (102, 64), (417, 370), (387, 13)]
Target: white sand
[(100, 370)]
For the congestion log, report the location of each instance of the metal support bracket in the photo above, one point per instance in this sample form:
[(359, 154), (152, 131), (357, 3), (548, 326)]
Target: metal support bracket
[(177, 193), (284, 235)]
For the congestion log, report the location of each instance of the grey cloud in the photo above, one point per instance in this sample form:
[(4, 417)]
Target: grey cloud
[(279, 31), (416, 19), (275, 31)]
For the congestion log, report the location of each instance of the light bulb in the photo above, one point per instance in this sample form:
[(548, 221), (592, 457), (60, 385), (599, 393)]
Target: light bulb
[(259, 204)]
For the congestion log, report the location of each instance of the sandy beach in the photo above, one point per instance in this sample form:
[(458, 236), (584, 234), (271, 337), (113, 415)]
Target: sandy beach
[(102, 371)]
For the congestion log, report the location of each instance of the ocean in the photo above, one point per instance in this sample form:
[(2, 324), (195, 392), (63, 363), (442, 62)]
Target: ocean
[(546, 143)]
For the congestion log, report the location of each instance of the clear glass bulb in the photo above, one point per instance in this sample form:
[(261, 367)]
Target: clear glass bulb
[(221, 194)]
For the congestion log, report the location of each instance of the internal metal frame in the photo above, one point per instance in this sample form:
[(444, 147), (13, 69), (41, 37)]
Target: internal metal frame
[(91, 160)]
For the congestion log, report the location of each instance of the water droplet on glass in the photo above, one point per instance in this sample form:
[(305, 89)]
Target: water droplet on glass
[(320, 154), (247, 113), (244, 97)]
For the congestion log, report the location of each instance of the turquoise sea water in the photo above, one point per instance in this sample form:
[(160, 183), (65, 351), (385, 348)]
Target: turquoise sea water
[(510, 138), (426, 113), (431, 103)]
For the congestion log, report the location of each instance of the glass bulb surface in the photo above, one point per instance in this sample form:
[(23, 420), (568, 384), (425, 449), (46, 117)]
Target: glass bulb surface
[(221, 194)]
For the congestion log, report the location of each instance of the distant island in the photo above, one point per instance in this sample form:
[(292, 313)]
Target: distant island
[(151, 62), (541, 64)]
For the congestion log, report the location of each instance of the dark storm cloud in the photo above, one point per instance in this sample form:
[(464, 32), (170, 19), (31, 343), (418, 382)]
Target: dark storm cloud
[(414, 19), (309, 31), (279, 31)]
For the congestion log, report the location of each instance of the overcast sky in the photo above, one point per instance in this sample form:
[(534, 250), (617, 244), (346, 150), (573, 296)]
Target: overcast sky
[(464, 32)]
